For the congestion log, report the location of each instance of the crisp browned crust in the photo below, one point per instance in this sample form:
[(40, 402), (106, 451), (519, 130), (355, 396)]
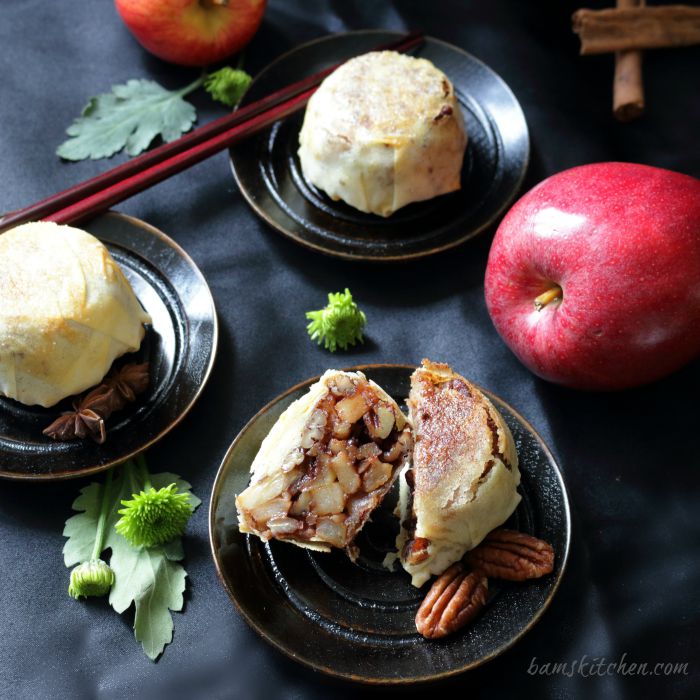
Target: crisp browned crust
[(452, 419)]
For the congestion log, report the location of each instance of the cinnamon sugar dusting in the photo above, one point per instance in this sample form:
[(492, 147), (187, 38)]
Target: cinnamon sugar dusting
[(454, 425)]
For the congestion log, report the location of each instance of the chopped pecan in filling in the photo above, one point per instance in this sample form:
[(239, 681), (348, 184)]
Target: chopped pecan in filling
[(353, 444)]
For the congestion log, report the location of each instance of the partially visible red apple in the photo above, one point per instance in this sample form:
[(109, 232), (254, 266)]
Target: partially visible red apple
[(593, 279), (192, 32)]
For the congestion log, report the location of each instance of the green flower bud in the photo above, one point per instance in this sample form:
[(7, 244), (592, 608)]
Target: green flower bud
[(227, 85), (339, 324), (92, 578), (154, 517)]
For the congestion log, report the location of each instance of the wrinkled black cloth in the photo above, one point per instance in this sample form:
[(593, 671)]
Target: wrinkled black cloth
[(630, 459)]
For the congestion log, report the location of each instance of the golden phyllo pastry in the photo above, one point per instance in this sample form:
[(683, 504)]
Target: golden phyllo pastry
[(382, 131), (326, 464), (464, 477), (66, 313)]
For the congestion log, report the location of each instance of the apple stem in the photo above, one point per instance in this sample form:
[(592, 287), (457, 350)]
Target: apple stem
[(547, 297), (214, 3)]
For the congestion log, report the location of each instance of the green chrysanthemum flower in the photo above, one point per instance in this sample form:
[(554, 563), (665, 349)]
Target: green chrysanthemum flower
[(154, 517), (91, 578), (338, 325)]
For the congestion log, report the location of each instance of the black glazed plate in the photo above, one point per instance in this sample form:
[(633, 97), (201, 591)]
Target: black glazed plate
[(267, 170), (357, 621), (179, 345)]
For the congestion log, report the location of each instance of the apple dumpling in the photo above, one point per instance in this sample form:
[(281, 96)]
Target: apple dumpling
[(66, 313), (464, 475), (382, 131), (326, 464)]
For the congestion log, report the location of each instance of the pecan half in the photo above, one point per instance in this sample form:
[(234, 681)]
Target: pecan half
[(455, 598), (416, 550), (511, 555)]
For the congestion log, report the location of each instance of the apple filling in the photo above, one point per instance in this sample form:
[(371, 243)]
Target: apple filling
[(415, 549), (350, 452)]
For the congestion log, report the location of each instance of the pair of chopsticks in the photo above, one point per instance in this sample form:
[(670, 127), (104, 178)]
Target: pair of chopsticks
[(93, 196)]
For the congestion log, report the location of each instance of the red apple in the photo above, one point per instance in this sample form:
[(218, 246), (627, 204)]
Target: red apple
[(593, 279), (192, 32)]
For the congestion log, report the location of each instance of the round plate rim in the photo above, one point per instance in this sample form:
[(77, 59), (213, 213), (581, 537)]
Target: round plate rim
[(388, 258), (95, 469), (378, 681)]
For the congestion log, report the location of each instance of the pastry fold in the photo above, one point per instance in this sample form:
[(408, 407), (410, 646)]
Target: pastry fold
[(464, 476), (326, 464), (382, 131), (66, 313)]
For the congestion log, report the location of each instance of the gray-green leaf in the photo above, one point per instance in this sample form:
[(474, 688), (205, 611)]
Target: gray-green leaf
[(155, 583), (130, 117), (80, 529), (153, 624)]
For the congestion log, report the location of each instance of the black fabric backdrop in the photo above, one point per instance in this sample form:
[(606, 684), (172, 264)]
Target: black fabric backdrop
[(630, 461)]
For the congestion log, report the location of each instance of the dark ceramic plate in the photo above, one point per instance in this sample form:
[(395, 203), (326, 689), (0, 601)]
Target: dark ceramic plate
[(179, 345), (268, 173), (357, 621)]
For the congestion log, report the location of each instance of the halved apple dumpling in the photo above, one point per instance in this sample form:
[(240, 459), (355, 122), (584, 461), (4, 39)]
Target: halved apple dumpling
[(326, 464)]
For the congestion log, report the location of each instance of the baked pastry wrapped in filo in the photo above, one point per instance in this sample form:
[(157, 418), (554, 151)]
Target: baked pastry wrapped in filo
[(464, 477), (382, 131), (326, 464), (66, 313)]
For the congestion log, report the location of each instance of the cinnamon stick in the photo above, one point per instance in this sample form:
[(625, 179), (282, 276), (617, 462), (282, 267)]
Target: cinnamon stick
[(622, 29), (628, 88)]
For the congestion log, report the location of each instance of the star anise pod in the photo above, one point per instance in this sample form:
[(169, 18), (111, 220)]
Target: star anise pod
[(83, 420), (89, 413), (103, 400), (129, 381)]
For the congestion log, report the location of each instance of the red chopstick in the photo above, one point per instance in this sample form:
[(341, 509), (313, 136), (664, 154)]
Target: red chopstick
[(118, 183), (105, 198)]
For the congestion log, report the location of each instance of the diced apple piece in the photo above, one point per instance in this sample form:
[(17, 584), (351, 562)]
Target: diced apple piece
[(336, 445), (276, 508), (327, 499), (384, 422), (352, 408), (331, 532), (342, 429), (365, 464), (284, 526), (377, 474), (369, 449), (324, 471), (340, 460), (347, 476), (301, 505), (266, 489), (351, 449)]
